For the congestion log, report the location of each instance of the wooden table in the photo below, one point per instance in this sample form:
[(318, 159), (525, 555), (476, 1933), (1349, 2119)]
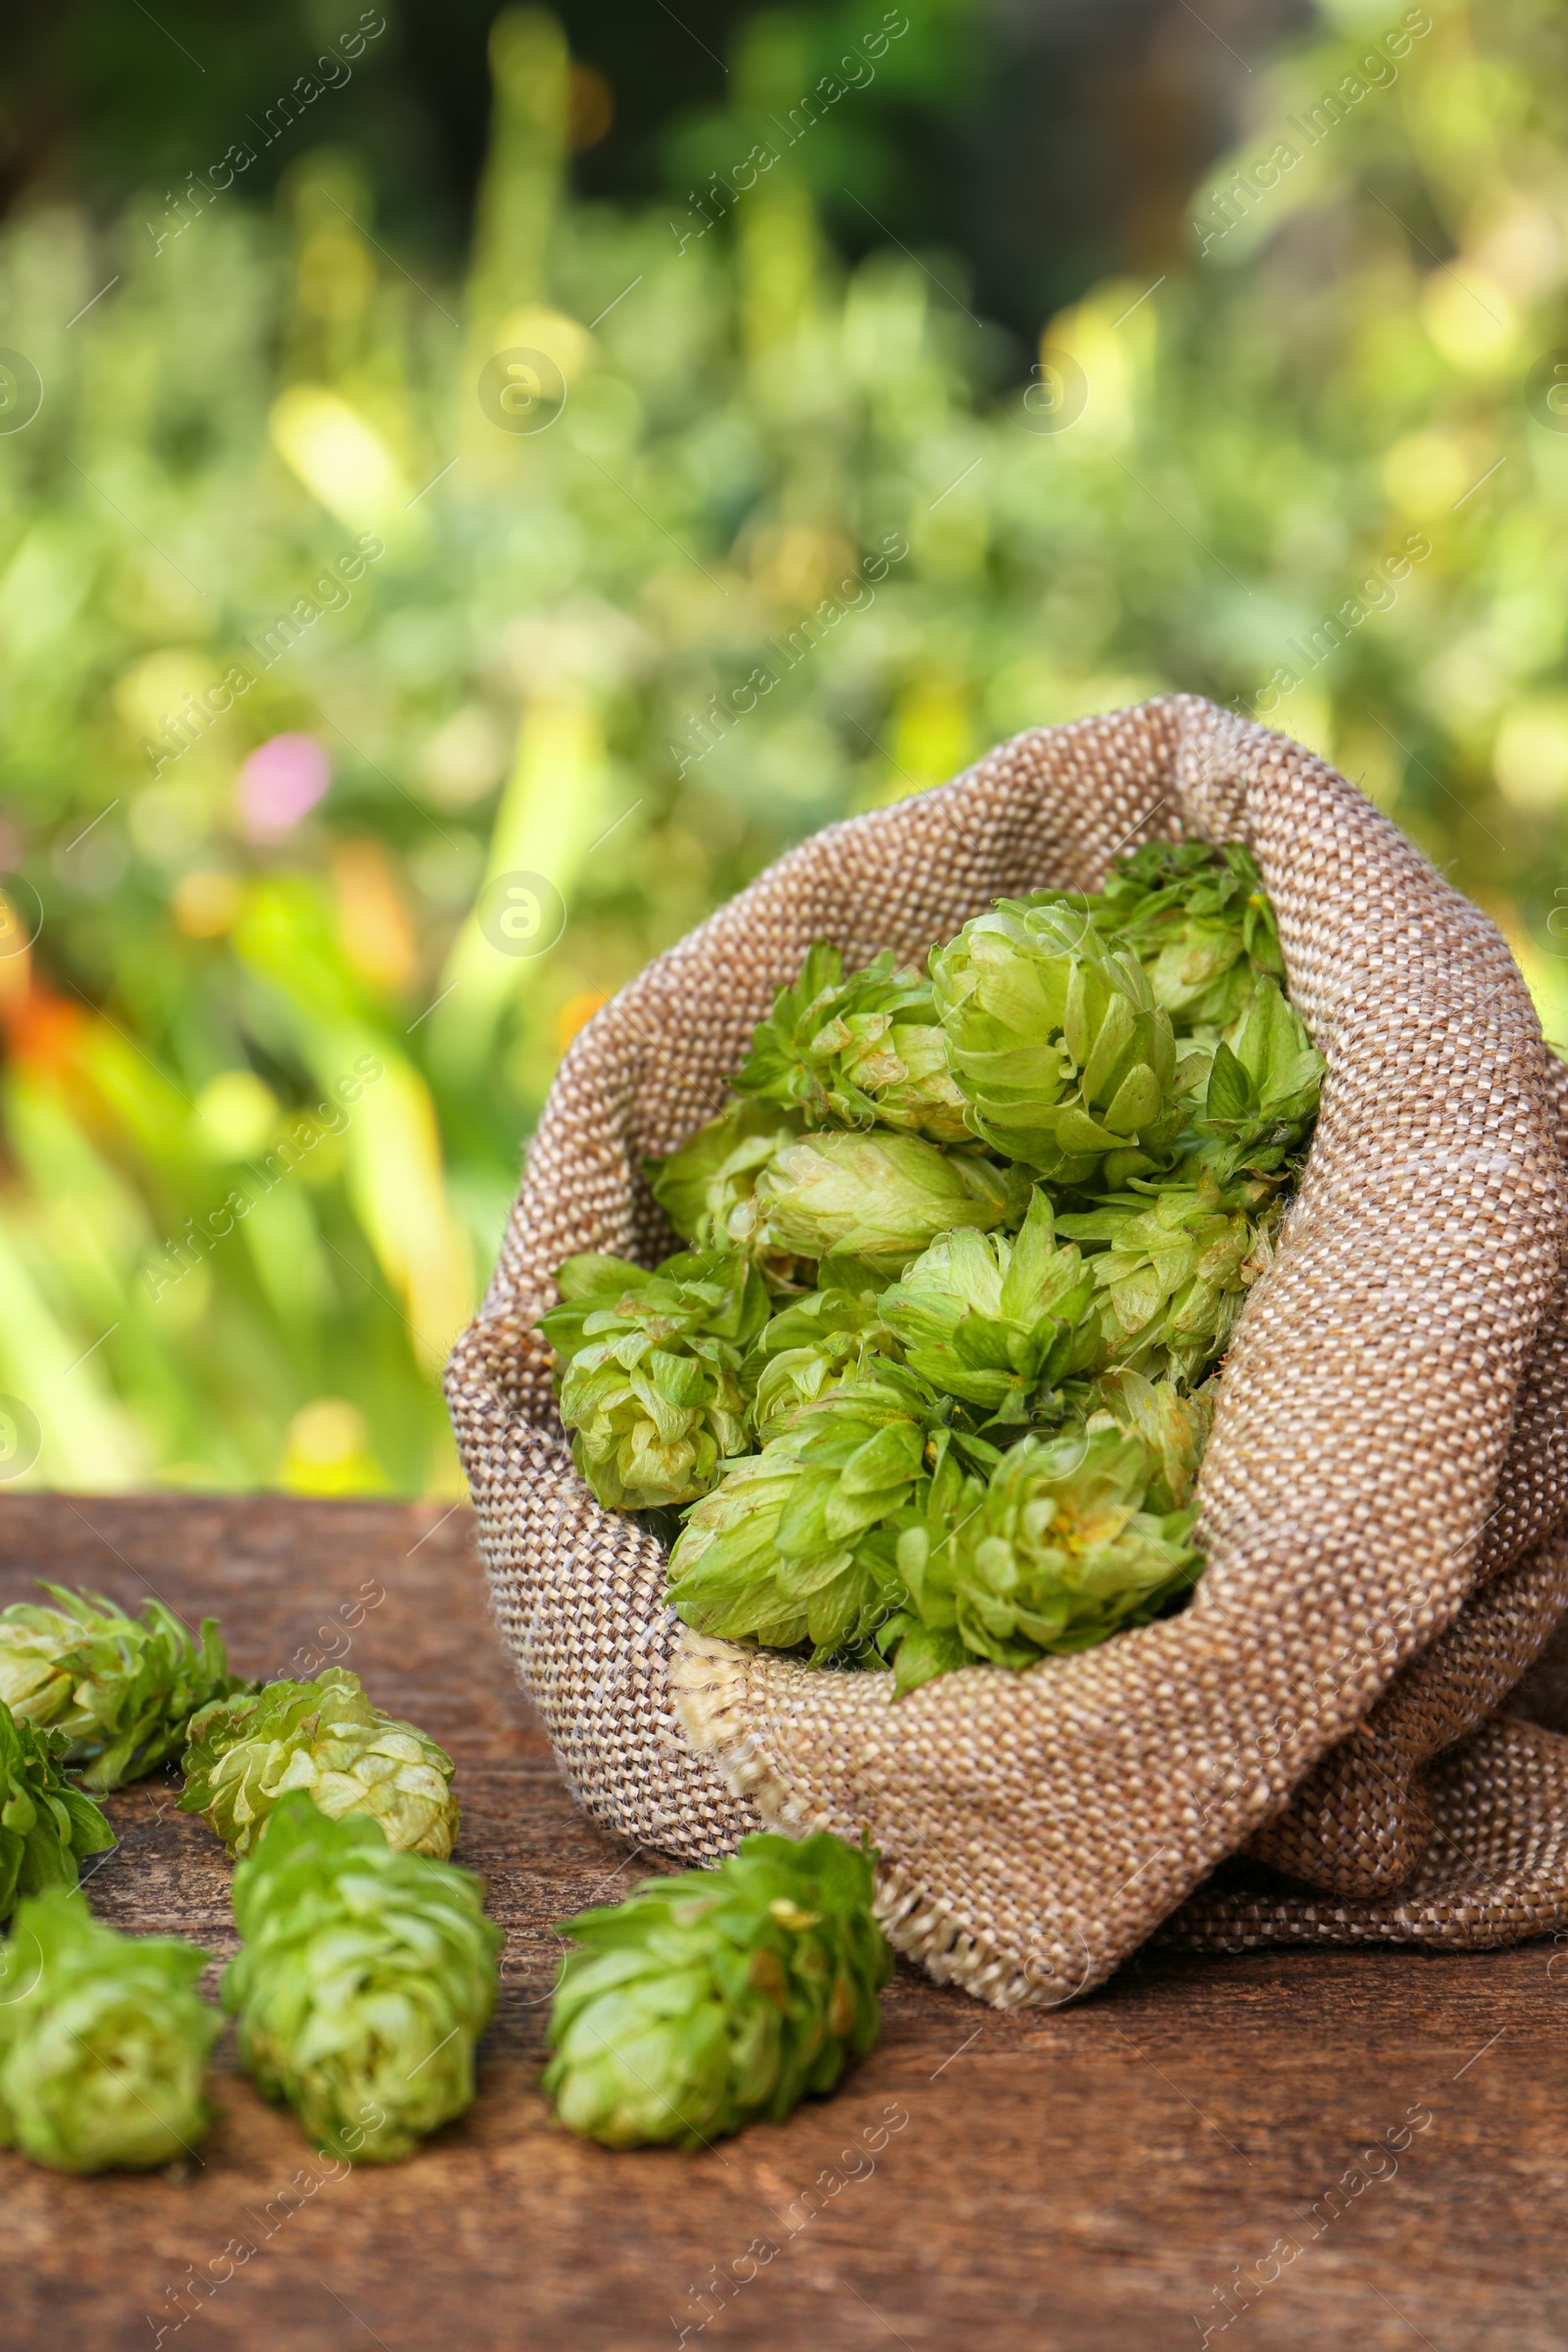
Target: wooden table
[(1080, 2179)]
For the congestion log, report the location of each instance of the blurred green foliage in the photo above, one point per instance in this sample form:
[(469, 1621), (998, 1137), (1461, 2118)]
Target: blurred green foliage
[(1319, 470)]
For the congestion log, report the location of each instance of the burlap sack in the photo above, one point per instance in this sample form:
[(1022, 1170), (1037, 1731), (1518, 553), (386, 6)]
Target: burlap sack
[(1381, 1494)]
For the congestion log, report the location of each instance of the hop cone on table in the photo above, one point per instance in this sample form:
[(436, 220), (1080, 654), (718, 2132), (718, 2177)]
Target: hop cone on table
[(364, 1980), (647, 1366), (326, 1739), (1263, 1092), (711, 1999), (46, 1824), (1057, 1552), (998, 1323), (1199, 920), (857, 1052), (1174, 1270), (103, 2042), (1055, 1038), (796, 1546), (809, 1348), (120, 1689), (878, 1198), (708, 1189)]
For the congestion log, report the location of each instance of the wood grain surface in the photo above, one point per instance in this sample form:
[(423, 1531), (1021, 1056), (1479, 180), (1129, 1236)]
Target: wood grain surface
[(1287, 2151)]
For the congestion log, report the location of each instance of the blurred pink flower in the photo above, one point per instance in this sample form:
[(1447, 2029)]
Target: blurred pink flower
[(280, 781)]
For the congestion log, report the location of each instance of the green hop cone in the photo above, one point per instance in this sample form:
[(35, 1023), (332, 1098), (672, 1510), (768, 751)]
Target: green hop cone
[(708, 1189), (796, 1545), (365, 1979), (879, 1199), (1174, 1270), (120, 1689), (46, 1824), (997, 1323), (711, 1999), (1055, 1038), (1173, 1425), (858, 1052), (1199, 920), (647, 1366), (1055, 1552), (809, 1347), (103, 2042), (324, 1737), (1263, 1093)]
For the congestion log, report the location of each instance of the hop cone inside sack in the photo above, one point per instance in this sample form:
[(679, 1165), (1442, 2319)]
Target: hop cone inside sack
[(647, 1366), (879, 1199), (46, 1825), (1173, 1272), (796, 1546), (120, 1688), (1055, 1038), (711, 1999), (857, 1053), (103, 2042), (1263, 1092), (323, 1738), (1057, 1552), (809, 1348), (998, 1323), (1199, 921), (708, 1189), (1173, 1426), (364, 1981)]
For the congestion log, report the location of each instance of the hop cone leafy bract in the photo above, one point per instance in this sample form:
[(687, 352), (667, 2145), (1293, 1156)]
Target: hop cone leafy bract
[(120, 1689), (1174, 1270), (1199, 920), (809, 1347), (708, 1189), (711, 1999), (1174, 1427), (103, 2042), (647, 1366), (46, 1825), (857, 1052), (795, 1544), (1054, 1554), (1262, 1091), (1056, 1039), (365, 1979), (999, 1323), (881, 1198), (324, 1737)]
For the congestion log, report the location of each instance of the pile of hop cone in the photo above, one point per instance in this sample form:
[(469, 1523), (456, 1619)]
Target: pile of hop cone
[(930, 1383), (366, 1970)]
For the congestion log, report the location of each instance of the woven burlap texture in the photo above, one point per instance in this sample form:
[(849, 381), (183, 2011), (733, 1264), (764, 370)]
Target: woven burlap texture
[(1380, 1494)]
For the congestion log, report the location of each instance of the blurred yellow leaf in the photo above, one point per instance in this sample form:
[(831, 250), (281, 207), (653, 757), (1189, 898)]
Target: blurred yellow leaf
[(327, 1450), (1470, 319), (340, 458), (1530, 759)]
